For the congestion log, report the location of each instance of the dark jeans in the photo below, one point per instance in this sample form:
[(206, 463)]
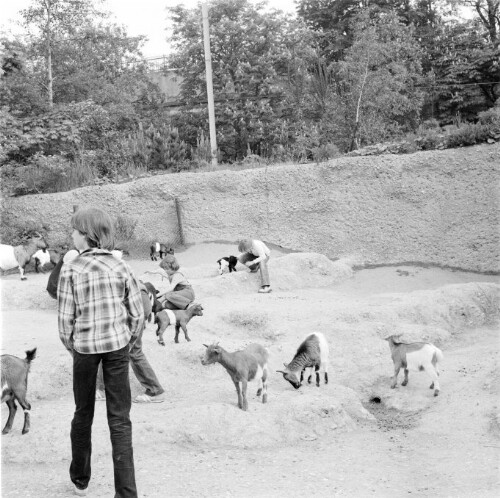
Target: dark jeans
[(115, 367), (142, 369)]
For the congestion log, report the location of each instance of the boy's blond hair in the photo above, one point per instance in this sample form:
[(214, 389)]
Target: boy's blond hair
[(97, 227)]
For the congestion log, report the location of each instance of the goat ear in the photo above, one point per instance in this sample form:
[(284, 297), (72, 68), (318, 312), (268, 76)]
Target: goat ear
[(285, 365)]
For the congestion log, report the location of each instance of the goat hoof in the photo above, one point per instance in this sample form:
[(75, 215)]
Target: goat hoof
[(24, 278), (404, 383), (188, 339), (264, 398), (436, 393), (393, 387)]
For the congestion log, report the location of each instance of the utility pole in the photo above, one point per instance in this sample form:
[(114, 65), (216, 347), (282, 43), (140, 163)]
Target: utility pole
[(210, 88)]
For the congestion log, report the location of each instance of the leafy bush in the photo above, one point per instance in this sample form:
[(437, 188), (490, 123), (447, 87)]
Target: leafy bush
[(430, 139), (325, 152), (468, 134), (490, 117), (48, 174)]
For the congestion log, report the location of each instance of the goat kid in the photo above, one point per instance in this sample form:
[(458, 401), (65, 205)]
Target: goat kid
[(179, 318), (14, 375), (312, 353), (416, 356), (228, 262), (41, 258), (159, 250), (242, 366), (19, 256)]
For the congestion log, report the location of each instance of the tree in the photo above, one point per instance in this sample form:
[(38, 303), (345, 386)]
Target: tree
[(377, 92), (252, 60), (49, 22)]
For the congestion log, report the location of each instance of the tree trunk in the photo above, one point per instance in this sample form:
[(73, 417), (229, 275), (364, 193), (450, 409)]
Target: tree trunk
[(49, 55)]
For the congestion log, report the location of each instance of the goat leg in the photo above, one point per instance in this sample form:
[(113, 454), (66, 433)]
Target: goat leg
[(244, 393), (177, 330), (238, 392), (11, 403), (264, 387), (405, 381), (185, 330), (26, 407), (316, 368), (395, 378)]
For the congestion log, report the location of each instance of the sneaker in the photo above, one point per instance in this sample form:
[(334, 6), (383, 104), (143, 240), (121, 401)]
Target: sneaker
[(265, 289), (79, 491), (100, 395), (146, 398)]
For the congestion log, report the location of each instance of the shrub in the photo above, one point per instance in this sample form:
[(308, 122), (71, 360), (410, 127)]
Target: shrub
[(490, 117), (468, 134), (48, 174), (324, 152), (430, 140)]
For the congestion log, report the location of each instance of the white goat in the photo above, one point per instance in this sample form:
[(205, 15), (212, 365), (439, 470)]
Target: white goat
[(312, 353), (14, 386), (242, 366), (41, 258), (12, 256), (415, 356)]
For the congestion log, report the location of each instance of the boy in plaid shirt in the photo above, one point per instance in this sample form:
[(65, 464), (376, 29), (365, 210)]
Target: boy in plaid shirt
[(100, 315)]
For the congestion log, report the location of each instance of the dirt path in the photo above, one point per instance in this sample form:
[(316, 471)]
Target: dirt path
[(307, 442)]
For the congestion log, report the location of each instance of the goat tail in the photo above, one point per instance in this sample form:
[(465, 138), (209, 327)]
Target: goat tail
[(30, 355)]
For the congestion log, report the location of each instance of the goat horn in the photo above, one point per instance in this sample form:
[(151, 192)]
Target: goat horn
[(205, 345), (280, 372)]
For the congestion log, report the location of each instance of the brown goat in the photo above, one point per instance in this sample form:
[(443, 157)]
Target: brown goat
[(182, 318), (14, 386)]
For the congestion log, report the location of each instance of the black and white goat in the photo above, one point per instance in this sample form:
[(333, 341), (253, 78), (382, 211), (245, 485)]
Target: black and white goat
[(19, 256), (312, 353), (415, 356), (160, 250), (242, 366), (41, 258), (228, 262), (156, 306), (14, 386)]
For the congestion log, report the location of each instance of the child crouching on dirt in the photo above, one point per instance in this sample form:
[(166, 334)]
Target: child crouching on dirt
[(255, 255), (180, 294)]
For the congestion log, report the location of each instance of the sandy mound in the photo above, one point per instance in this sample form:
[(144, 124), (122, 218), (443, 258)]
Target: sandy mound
[(289, 272)]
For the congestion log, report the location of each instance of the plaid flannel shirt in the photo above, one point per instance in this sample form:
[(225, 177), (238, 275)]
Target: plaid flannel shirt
[(99, 302)]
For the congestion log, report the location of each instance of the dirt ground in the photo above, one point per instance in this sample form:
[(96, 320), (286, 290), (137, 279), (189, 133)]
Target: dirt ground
[(353, 437)]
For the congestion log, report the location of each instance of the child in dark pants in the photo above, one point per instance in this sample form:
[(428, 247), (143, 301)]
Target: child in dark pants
[(100, 314)]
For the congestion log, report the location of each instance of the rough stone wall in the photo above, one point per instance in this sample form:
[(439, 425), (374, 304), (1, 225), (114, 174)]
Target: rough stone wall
[(437, 207)]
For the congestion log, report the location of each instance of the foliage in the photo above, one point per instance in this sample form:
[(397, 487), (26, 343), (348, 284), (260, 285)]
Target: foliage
[(378, 80), (465, 57), (251, 54), (46, 174)]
